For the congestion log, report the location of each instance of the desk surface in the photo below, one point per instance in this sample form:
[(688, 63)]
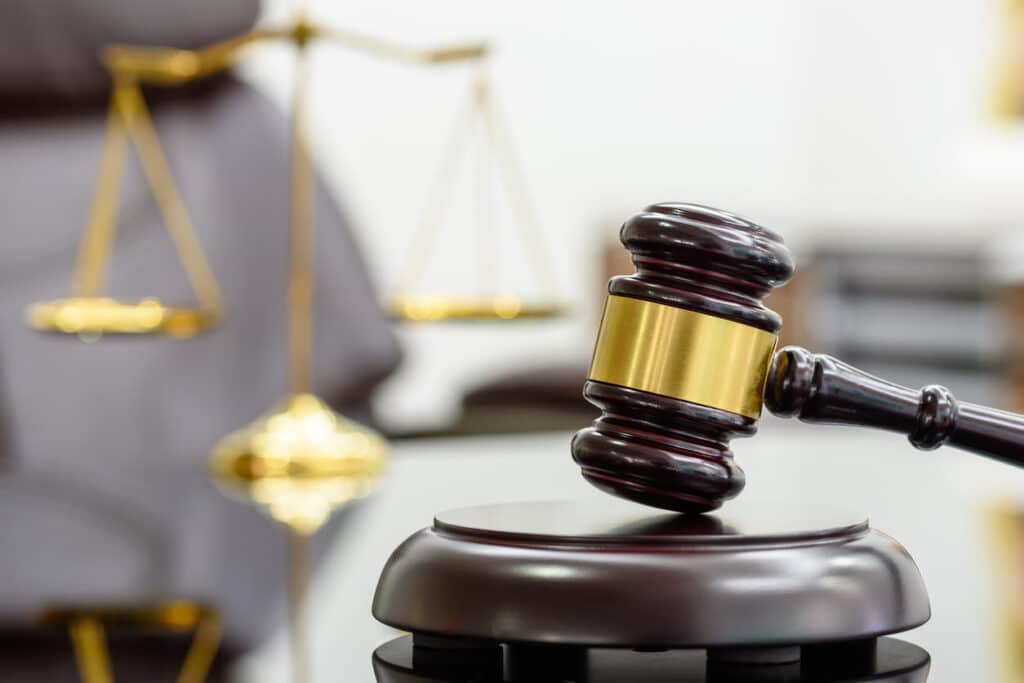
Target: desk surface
[(932, 502)]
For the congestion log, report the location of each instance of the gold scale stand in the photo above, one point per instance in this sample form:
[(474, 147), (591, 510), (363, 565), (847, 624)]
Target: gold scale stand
[(87, 627), (301, 461)]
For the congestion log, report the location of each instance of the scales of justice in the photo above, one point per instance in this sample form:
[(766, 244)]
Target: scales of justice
[(669, 587), (301, 461)]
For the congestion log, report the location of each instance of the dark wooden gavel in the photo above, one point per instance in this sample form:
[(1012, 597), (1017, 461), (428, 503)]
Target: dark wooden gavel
[(685, 359)]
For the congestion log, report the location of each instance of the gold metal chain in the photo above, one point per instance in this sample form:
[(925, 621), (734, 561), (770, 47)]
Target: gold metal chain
[(98, 238), (161, 181), (425, 237), (482, 115), (129, 119), (516, 187)]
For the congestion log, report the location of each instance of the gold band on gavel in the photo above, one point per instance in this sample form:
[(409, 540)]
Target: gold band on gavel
[(682, 354)]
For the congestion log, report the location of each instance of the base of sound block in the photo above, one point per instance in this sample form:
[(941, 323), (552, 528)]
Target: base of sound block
[(757, 580), (408, 660)]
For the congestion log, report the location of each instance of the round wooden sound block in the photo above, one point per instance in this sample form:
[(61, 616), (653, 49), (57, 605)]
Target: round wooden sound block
[(756, 581)]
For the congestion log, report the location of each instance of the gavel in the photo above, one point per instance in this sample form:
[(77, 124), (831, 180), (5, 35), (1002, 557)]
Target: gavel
[(686, 357)]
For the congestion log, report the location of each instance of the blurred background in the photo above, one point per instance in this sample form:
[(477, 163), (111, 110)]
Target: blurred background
[(867, 134), (884, 141)]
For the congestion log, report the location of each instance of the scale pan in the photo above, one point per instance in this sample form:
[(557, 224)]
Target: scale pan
[(95, 316), (441, 307)]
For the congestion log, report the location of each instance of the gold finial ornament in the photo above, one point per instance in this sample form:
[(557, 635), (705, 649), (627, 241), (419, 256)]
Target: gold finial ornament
[(299, 462)]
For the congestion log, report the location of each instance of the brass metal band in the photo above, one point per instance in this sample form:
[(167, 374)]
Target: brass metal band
[(683, 354)]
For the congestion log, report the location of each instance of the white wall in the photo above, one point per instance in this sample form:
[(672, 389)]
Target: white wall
[(895, 126), (820, 116)]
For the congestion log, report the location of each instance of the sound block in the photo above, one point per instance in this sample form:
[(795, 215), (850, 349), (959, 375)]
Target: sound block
[(757, 583)]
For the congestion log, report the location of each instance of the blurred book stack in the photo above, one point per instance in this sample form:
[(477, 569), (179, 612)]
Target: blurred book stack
[(915, 317)]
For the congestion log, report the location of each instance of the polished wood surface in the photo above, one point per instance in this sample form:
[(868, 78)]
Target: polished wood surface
[(663, 451), (610, 573), (819, 388)]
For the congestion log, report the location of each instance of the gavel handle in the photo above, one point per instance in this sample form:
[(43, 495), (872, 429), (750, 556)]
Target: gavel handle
[(819, 388)]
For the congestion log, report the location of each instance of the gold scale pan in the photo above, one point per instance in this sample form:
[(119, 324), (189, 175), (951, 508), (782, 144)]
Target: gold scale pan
[(301, 461)]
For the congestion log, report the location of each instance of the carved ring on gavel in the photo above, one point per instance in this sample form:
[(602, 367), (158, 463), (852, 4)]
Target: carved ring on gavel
[(686, 357)]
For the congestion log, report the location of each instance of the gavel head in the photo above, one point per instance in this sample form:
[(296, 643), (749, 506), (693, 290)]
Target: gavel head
[(681, 358)]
